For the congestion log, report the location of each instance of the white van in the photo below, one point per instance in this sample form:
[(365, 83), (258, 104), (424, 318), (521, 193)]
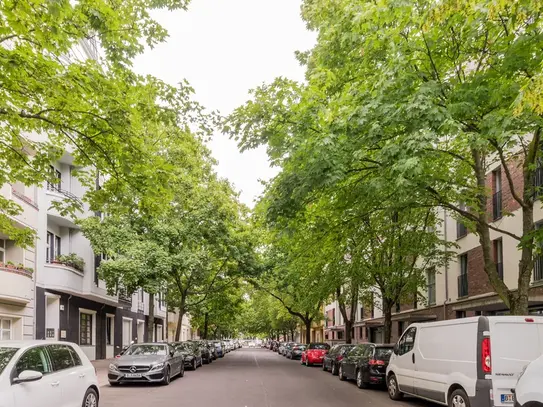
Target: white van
[(464, 362)]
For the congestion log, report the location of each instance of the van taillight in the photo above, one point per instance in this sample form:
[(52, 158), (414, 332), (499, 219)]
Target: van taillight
[(529, 319), (374, 362), (486, 356)]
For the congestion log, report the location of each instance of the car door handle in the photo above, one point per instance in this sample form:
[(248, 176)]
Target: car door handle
[(82, 375), (55, 384), (413, 357)]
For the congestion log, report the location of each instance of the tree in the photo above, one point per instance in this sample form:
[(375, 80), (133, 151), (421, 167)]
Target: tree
[(55, 98)]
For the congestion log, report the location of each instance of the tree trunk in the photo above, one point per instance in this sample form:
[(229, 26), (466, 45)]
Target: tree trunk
[(291, 335), (151, 324), (307, 324), (181, 312), (387, 313), (206, 321)]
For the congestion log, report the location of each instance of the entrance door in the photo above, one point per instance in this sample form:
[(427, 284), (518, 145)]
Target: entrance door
[(127, 331), (110, 335)]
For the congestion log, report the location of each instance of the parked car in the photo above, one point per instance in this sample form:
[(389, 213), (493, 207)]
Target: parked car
[(206, 354), (366, 364), (212, 350), (288, 348), (218, 349), (334, 356), (46, 374), (275, 347), (528, 391), (314, 354), (192, 355), (147, 363), (464, 362), (282, 348), (296, 351)]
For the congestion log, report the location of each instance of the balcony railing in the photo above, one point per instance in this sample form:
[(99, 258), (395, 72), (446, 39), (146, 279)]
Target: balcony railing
[(497, 205), (499, 270), (67, 194), (432, 294), (462, 285), (538, 268), (124, 296)]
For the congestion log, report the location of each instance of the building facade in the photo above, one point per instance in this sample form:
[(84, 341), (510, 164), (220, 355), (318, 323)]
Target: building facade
[(461, 288)]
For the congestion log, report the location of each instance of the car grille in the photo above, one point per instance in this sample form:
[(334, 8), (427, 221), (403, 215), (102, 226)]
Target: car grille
[(139, 369)]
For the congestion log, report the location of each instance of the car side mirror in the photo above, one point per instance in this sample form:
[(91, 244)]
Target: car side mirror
[(395, 350), (28, 376), (172, 352)]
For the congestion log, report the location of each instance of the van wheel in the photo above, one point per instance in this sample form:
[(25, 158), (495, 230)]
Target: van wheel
[(393, 389), (459, 398)]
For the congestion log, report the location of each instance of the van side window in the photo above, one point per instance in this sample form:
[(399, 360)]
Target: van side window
[(407, 342)]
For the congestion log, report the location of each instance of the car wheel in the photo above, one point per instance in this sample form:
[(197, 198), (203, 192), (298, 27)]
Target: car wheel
[(334, 369), (301, 361), (360, 380), (324, 366), (167, 376), (340, 373), (393, 389), (90, 399), (194, 366), (182, 371), (459, 398)]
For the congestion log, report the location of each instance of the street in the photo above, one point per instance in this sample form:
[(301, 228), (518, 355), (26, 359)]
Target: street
[(252, 378)]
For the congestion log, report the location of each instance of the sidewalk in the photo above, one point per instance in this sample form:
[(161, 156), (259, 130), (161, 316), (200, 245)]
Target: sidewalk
[(101, 370)]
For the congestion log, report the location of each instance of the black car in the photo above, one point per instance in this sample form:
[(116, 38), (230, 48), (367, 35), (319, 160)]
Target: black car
[(334, 357), (212, 350), (367, 364), (191, 352), (206, 354), (296, 351)]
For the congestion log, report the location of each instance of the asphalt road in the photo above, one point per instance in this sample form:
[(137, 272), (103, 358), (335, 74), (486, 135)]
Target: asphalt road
[(252, 378)]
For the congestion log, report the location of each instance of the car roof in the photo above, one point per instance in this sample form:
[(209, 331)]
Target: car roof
[(150, 343), (31, 342)]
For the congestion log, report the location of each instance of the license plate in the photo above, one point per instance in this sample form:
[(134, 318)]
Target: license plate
[(132, 375), (507, 398)]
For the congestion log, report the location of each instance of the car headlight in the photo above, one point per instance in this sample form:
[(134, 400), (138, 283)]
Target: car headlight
[(113, 367), (156, 367)]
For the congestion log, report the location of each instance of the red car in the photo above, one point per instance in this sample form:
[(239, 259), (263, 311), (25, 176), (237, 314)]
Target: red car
[(314, 354)]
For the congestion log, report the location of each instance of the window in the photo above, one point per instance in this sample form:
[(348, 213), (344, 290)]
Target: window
[(398, 307), (2, 251), (5, 356), (400, 328), (53, 247), (407, 341), (461, 229), (141, 294), (57, 176), (34, 359), (361, 313), (333, 317), (340, 334), (431, 287), (61, 356), (498, 256), (497, 194), (85, 329), (463, 277), (460, 314), (109, 330), (75, 356), (6, 329)]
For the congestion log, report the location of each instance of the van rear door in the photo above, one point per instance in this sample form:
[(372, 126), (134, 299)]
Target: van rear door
[(514, 342)]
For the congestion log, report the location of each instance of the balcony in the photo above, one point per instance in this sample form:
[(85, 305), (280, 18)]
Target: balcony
[(538, 269), (462, 285), (124, 297), (497, 205), (16, 285), (54, 195), (64, 278), (461, 230)]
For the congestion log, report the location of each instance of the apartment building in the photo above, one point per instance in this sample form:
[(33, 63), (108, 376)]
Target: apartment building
[(461, 288), (17, 268)]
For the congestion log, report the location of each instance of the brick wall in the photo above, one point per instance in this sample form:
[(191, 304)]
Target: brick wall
[(508, 202), (477, 279)]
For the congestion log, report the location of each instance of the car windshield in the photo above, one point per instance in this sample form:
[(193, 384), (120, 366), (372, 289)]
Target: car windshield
[(322, 346), (5, 356), (383, 353), (144, 350), (185, 346)]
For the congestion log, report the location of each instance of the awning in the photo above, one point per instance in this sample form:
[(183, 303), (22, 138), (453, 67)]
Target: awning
[(374, 323), (414, 317)]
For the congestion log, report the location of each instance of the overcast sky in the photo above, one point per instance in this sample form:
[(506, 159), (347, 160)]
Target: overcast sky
[(224, 48)]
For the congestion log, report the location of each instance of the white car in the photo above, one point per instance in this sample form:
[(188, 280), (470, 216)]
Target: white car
[(46, 374), (529, 392), (465, 362)]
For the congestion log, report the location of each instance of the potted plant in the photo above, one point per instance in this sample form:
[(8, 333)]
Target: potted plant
[(10, 265), (72, 260)]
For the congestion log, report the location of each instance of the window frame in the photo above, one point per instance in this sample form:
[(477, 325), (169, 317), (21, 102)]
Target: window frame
[(49, 362), (70, 351), (109, 330), (3, 251), (53, 247), (431, 286), (88, 317), (401, 343), (2, 329)]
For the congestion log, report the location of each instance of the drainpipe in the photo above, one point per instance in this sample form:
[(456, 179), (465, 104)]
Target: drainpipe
[(68, 313), (446, 266)]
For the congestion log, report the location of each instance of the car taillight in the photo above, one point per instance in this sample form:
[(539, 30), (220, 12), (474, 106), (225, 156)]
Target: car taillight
[(340, 358), (486, 363), (374, 362)]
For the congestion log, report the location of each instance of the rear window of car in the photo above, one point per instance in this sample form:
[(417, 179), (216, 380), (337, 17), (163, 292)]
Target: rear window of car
[(61, 356), (383, 353), (322, 346), (146, 350), (5, 356)]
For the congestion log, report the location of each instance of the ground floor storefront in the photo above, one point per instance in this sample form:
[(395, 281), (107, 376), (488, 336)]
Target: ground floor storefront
[(101, 329)]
